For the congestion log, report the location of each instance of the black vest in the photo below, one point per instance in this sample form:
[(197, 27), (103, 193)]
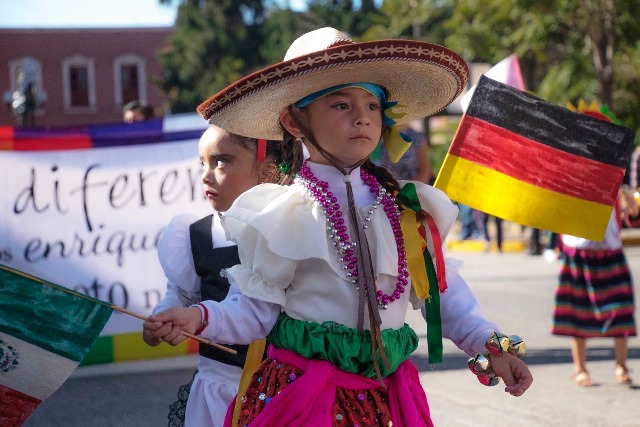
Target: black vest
[(209, 262)]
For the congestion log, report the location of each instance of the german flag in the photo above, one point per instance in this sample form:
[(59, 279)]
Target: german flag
[(520, 158)]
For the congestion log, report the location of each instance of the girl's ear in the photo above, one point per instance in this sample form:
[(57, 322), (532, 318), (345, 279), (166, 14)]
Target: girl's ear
[(268, 170), (289, 124)]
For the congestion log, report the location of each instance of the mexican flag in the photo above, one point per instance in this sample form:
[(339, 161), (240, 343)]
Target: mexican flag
[(45, 332)]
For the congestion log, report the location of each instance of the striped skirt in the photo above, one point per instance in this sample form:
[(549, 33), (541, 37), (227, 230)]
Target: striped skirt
[(594, 296)]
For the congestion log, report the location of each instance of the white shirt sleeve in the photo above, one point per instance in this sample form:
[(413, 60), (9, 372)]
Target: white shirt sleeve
[(462, 319), (239, 319), (174, 253)]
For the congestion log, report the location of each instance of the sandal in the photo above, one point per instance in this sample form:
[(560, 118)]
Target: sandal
[(582, 379), (622, 375)]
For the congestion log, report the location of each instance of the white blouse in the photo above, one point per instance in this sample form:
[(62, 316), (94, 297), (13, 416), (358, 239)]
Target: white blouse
[(288, 262), (174, 254), (216, 383)]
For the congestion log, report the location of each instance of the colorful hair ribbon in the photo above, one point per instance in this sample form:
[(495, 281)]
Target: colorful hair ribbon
[(261, 153), (395, 142), (426, 280)]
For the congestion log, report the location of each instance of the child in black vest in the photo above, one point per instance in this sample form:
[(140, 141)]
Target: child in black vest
[(192, 254)]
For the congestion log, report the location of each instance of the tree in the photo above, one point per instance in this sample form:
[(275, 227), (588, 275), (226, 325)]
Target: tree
[(214, 44), (218, 41), (568, 49)]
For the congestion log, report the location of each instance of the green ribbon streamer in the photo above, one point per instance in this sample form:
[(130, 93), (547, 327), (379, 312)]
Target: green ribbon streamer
[(409, 198), (432, 314)]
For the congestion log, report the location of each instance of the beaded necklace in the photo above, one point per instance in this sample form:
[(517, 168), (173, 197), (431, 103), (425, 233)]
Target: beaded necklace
[(337, 230)]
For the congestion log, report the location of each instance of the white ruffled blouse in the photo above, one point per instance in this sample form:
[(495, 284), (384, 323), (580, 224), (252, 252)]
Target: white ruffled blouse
[(288, 262)]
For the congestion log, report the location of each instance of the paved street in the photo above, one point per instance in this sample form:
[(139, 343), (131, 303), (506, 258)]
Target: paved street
[(514, 289)]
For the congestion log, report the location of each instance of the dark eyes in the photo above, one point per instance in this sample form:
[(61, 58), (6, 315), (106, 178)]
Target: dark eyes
[(374, 106), (219, 163)]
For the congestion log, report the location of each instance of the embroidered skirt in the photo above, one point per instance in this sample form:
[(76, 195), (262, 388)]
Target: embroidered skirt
[(594, 296), (292, 388)]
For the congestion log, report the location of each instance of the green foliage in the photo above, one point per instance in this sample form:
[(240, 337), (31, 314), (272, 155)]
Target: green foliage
[(213, 45), (568, 49)]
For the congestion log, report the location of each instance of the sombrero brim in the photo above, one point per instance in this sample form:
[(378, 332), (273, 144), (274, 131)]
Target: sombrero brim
[(423, 78)]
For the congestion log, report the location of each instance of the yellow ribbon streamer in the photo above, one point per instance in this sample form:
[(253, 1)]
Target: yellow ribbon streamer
[(395, 142), (415, 245), (253, 360)]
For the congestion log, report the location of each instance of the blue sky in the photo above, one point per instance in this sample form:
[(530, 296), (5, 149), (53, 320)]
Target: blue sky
[(90, 13)]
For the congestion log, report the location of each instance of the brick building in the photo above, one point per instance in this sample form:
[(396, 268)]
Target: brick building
[(81, 76)]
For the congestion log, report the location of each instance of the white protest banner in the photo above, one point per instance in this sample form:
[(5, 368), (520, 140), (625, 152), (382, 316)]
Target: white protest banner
[(85, 208)]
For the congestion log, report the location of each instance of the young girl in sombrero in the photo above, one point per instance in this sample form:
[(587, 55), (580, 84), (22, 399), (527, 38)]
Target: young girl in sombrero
[(330, 264)]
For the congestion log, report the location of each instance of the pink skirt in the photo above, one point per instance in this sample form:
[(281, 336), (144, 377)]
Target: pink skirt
[(289, 390)]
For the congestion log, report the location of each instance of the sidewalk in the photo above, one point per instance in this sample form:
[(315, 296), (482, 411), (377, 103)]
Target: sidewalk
[(516, 239)]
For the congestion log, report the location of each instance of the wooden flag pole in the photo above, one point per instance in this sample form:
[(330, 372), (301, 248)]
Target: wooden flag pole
[(186, 334), (113, 307)]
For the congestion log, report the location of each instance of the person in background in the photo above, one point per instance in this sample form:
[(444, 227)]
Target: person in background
[(594, 296), (634, 170), (487, 237), (192, 253), (137, 111), (469, 228), (552, 251), (534, 246)]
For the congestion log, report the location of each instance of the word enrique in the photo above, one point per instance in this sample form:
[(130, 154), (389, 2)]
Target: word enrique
[(117, 243)]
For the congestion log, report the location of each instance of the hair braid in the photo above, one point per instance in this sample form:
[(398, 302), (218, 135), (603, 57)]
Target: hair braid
[(383, 176)]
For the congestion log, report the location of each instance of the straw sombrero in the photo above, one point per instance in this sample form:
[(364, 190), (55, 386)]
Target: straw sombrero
[(422, 77)]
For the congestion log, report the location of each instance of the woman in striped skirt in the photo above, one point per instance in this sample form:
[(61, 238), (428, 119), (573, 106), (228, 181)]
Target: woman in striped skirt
[(594, 296)]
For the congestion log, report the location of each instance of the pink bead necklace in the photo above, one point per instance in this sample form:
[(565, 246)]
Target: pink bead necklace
[(337, 230)]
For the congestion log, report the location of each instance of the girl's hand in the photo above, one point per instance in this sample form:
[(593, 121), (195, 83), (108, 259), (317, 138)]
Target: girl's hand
[(149, 331), (513, 371), (174, 321)]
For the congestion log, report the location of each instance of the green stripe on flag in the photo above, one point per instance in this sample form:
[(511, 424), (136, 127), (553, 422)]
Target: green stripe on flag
[(49, 316)]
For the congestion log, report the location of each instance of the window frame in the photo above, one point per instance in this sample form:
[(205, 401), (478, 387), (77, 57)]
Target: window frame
[(75, 61), (140, 63)]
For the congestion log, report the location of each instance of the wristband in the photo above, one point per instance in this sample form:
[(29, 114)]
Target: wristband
[(496, 345), (205, 317)]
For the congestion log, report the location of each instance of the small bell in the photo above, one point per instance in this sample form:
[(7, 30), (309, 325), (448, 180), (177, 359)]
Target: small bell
[(517, 347), (497, 344), (479, 364), (489, 379)]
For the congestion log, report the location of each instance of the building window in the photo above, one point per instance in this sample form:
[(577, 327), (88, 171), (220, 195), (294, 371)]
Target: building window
[(78, 74), (129, 82), (130, 78)]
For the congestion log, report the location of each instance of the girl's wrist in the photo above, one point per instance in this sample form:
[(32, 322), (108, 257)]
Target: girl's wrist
[(497, 345), (204, 317)]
